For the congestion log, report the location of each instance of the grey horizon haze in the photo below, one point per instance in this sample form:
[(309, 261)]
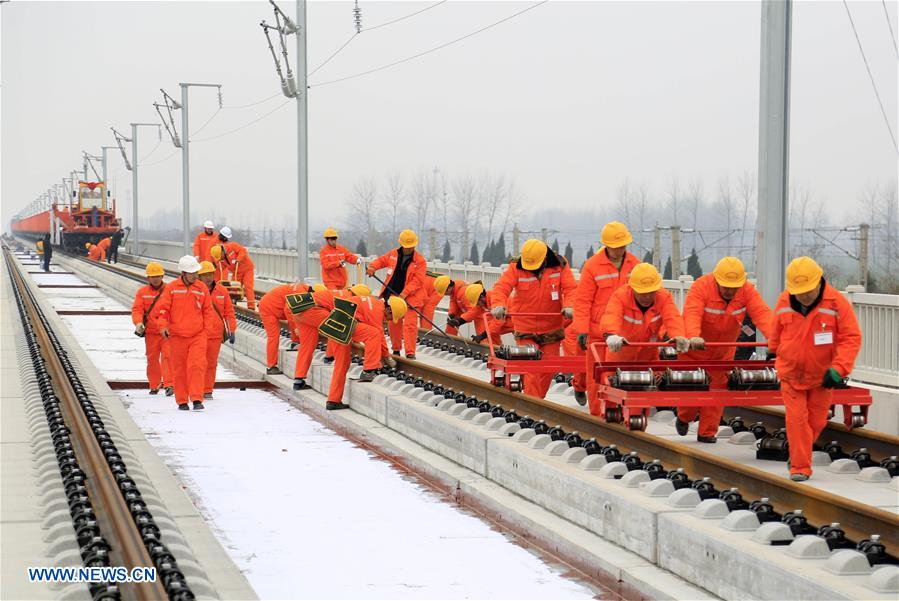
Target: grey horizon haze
[(566, 100)]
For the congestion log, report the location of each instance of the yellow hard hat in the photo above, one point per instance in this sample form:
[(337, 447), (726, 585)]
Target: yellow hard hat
[(473, 292), (730, 273), (154, 269), (319, 287), (87, 245), (441, 283), (398, 307), (615, 235), (533, 253), (803, 274), (645, 278), (206, 267), (408, 239), (216, 252), (360, 290), (330, 233)]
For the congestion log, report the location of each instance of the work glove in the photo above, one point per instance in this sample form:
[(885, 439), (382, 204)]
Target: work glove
[(139, 330), (231, 338), (582, 341), (454, 321), (498, 313), (615, 342), (681, 344), (697, 343), (369, 272), (479, 338), (832, 379), (388, 362), (568, 313)]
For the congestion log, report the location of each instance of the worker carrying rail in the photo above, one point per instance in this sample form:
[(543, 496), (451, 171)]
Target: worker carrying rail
[(144, 313), (333, 258), (543, 283), (603, 273), (220, 329), (815, 339), (714, 310), (273, 307), (204, 242), (234, 258)]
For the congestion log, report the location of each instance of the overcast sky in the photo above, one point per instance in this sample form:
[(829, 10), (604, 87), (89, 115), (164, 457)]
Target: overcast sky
[(566, 99)]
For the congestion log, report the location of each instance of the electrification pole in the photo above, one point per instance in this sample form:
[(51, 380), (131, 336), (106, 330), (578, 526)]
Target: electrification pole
[(135, 227), (302, 147)]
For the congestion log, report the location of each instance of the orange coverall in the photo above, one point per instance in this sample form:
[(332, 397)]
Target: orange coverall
[(202, 243), (186, 311), (549, 292), (807, 346), (713, 319), (240, 267), (272, 309), (625, 318), (96, 253), (215, 331), (104, 246), (370, 332), (458, 304), (334, 275), (159, 373), (405, 333), (429, 306), (598, 280)]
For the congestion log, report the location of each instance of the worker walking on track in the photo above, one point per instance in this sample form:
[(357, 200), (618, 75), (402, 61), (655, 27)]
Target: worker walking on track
[(458, 304), (603, 273), (481, 303), (45, 252), (95, 252), (273, 307), (204, 241), (235, 258), (406, 278), (640, 311), (815, 338), (185, 315), (144, 313), (220, 329), (714, 310), (543, 284), (333, 258)]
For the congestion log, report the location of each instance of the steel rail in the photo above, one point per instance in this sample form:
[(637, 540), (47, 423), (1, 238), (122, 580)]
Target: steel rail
[(113, 515)]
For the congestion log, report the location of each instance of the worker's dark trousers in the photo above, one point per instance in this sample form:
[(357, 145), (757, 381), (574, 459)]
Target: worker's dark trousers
[(46, 262), (113, 254)]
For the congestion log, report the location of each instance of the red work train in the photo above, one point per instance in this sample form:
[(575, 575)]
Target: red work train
[(89, 217)]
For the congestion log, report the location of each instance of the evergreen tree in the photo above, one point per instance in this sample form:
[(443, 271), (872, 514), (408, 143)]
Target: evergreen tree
[(667, 273), (361, 250), (487, 255), (474, 256), (647, 258), (590, 251), (500, 250), (555, 246), (447, 252), (693, 266), (569, 253)]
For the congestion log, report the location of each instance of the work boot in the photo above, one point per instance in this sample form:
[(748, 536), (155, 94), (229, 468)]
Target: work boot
[(581, 397), (198, 406), (183, 407), (207, 395), (293, 346), (299, 383), (332, 406), (368, 376), (681, 427), (707, 439), (274, 370), (154, 391), (410, 356), (328, 360), (388, 362), (169, 390), (799, 477), (397, 353)]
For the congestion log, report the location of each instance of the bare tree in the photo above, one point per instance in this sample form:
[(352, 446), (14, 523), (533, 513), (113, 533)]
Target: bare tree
[(422, 196), (364, 205), (800, 204), (442, 200), (727, 208), (889, 216), (642, 208), (746, 195), (466, 201), (623, 204), (673, 200), (695, 201), (394, 199), (496, 199)]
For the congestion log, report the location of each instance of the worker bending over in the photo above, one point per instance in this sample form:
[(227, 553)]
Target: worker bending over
[(458, 304), (220, 329), (204, 241), (144, 313), (543, 284), (481, 303), (333, 258), (405, 277), (234, 258), (185, 315), (104, 244), (815, 338), (603, 274), (95, 252), (273, 307), (714, 310)]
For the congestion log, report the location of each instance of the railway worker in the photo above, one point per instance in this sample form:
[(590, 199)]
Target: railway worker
[(481, 304), (48, 252), (235, 258), (114, 242), (458, 304), (204, 241), (273, 308), (603, 273), (714, 310), (333, 258), (432, 298), (542, 282), (357, 290), (105, 244), (640, 312), (144, 315), (95, 252), (220, 329), (815, 338), (406, 278), (185, 315)]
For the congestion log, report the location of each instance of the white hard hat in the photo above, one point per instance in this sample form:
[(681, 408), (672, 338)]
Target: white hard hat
[(208, 225), (226, 232), (188, 264)]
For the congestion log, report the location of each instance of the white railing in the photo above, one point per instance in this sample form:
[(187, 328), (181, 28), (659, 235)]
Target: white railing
[(878, 314)]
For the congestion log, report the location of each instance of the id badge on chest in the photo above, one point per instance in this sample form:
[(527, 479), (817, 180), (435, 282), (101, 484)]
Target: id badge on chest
[(554, 295), (822, 338)]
